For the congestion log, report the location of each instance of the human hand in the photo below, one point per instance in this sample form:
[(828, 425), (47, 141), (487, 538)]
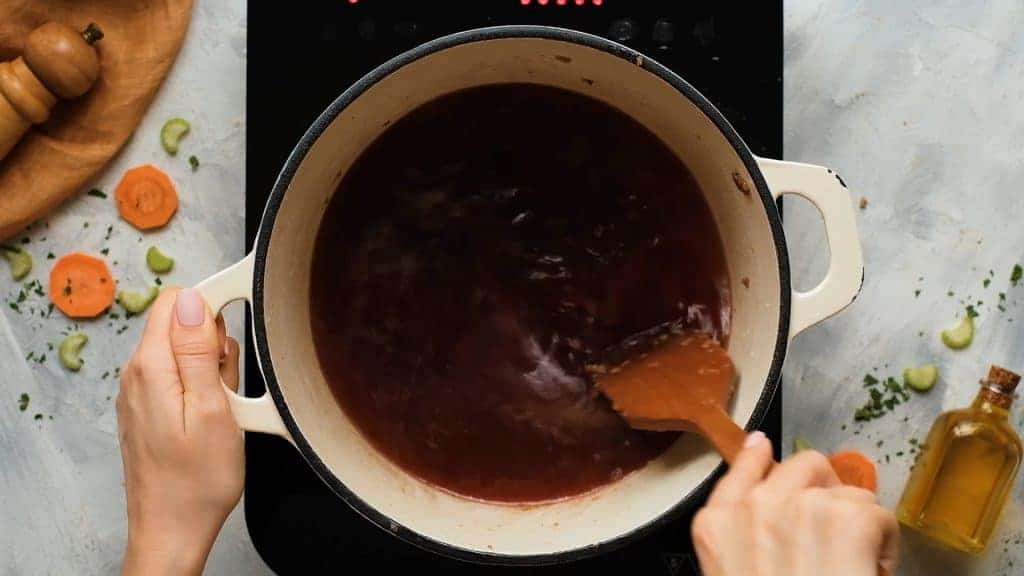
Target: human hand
[(795, 519), (184, 463)]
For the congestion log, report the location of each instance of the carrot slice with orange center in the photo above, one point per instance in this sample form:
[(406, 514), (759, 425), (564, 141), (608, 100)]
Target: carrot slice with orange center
[(855, 469), (146, 197), (81, 285)]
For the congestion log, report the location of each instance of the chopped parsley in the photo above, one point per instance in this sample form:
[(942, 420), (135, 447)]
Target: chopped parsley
[(193, 162), (38, 416), (105, 251), (917, 293), (97, 193), (882, 399), (50, 256), (971, 311), (1016, 275), (110, 229), (986, 282), (23, 402)]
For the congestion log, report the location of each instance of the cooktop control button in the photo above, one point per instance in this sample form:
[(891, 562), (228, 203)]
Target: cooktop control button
[(407, 30), (622, 30), (367, 29), (664, 33)]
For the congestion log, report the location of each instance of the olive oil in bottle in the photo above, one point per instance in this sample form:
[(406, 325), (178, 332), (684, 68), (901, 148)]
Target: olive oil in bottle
[(965, 470)]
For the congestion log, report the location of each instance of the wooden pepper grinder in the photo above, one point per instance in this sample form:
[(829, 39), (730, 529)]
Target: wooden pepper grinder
[(58, 62)]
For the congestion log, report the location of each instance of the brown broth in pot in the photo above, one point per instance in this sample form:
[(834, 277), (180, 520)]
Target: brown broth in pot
[(477, 257)]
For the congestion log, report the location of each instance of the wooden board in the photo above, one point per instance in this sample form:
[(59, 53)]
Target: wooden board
[(59, 158)]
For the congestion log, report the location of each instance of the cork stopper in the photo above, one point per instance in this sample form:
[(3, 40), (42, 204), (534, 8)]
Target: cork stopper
[(1003, 378)]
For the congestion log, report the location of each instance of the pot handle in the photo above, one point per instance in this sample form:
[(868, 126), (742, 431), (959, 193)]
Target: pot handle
[(235, 283), (845, 275)]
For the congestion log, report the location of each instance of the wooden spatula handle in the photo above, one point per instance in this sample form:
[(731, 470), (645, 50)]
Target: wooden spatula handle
[(723, 433)]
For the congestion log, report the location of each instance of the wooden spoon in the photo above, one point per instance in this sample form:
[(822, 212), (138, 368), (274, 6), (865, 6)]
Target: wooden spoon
[(684, 383)]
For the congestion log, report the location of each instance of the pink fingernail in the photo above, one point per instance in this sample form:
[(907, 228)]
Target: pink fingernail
[(753, 439), (189, 308)]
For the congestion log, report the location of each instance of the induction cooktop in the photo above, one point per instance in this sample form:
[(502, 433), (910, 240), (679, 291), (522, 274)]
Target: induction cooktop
[(302, 55)]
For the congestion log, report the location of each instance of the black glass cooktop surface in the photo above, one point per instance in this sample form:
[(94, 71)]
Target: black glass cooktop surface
[(302, 55)]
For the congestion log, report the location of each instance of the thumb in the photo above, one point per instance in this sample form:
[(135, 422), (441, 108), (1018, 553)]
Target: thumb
[(195, 344)]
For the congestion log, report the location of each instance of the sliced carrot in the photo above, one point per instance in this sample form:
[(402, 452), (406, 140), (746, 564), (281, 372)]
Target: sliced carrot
[(146, 197), (855, 469), (81, 285)]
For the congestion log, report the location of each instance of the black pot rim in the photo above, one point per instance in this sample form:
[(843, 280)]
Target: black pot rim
[(686, 503)]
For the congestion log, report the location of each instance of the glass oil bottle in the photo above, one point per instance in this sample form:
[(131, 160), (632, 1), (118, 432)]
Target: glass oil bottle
[(965, 470)]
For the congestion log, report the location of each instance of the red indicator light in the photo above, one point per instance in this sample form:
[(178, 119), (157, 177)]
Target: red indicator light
[(597, 2), (542, 2), (524, 2), (353, 1), (581, 2), (560, 2)]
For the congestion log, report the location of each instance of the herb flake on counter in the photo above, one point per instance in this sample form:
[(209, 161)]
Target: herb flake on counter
[(917, 293), (23, 401), (50, 256), (1016, 274), (882, 399), (38, 416), (193, 162), (986, 282), (97, 193)]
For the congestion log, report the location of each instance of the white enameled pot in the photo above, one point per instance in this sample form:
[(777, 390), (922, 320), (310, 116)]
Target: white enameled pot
[(741, 191)]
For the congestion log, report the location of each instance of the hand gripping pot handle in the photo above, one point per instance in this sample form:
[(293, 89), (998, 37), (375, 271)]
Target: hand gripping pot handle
[(235, 283)]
